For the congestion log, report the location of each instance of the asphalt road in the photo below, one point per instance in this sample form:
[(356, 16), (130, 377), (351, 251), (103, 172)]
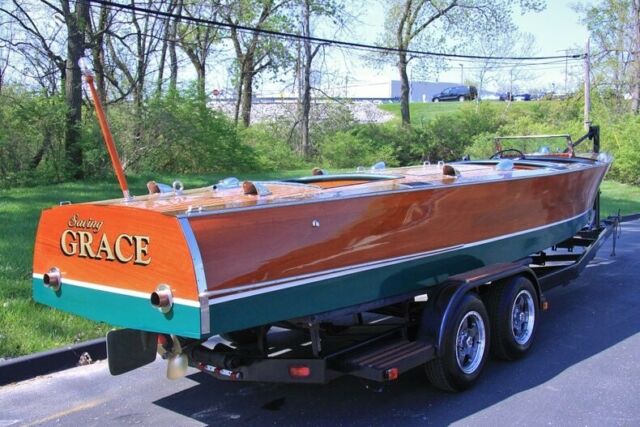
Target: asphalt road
[(583, 370)]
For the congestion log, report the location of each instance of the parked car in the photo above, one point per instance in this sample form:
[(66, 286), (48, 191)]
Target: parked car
[(522, 97), (515, 97), (456, 93)]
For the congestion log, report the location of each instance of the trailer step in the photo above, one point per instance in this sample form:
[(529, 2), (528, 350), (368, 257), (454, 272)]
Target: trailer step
[(385, 360)]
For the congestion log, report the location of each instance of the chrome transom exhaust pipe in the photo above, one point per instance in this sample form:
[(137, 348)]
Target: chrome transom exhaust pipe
[(162, 298), (52, 278)]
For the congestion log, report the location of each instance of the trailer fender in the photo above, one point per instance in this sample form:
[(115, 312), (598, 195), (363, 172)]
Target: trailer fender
[(436, 317)]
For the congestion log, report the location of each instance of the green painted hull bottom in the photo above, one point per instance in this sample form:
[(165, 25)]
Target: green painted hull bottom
[(119, 310), (371, 285)]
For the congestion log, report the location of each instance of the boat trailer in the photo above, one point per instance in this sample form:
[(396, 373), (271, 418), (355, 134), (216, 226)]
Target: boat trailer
[(381, 340)]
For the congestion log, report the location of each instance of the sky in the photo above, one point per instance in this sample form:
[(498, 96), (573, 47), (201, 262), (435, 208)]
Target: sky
[(556, 28)]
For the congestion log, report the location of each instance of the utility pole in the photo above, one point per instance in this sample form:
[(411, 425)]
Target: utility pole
[(587, 87)]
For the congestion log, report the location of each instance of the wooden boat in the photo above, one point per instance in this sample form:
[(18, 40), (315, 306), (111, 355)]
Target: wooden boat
[(234, 255)]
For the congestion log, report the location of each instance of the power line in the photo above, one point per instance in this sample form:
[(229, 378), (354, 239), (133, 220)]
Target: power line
[(319, 40)]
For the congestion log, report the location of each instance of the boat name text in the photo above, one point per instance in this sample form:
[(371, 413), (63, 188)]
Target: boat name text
[(124, 248), (88, 224)]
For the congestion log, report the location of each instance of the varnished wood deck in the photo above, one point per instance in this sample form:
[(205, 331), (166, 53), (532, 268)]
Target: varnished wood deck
[(208, 198)]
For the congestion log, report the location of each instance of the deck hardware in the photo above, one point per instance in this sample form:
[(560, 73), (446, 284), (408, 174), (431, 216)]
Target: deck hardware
[(449, 170), (425, 164), (158, 188), (65, 202), (52, 279), (152, 187), (178, 187), (315, 223), (378, 167), (255, 188), (227, 183), (504, 165), (162, 298), (440, 164)]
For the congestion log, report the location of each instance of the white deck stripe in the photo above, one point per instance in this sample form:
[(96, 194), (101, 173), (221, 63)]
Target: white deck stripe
[(120, 291)]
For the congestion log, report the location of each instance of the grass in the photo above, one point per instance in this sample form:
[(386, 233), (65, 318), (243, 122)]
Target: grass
[(422, 112), (616, 196), (27, 327)]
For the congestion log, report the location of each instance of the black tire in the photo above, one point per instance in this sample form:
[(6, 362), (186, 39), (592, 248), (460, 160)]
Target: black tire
[(446, 372), (243, 336), (512, 338)]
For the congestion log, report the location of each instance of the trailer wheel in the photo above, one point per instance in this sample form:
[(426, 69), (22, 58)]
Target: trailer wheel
[(513, 311), (465, 347)]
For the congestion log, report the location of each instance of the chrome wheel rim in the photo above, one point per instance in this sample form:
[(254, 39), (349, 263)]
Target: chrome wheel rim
[(523, 316), (470, 342)]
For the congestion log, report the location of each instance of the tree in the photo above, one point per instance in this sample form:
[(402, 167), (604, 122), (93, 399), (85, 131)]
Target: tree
[(614, 26), (307, 52), (197, 40), (44, 39), (132, 43), (254, 52), (489, 69), (418, 24)]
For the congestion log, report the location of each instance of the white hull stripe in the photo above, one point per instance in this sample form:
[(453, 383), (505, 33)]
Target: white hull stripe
[(290, 282), (120, 291)]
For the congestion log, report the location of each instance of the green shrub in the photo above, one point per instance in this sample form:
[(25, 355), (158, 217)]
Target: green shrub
[(354, 148), (31, 137), (272, 152), (176, 133)]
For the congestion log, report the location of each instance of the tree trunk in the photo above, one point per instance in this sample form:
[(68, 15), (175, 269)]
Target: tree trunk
[(247, 92), (201, 71), (635, 94), (236, 113), (404, 89), (173, 56), (163, 54), (73, 88), (98, 55), (306, 88)]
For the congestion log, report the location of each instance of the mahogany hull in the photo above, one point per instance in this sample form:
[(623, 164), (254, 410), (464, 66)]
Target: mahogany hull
[(236, 268)]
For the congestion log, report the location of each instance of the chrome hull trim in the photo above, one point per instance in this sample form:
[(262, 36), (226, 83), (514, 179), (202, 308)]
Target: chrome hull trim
[(198, 267)]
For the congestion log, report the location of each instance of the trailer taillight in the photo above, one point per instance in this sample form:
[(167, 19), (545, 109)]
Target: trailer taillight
[(391, 374), (299, 371)]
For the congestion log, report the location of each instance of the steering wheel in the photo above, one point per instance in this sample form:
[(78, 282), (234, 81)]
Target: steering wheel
[(498, 154)]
